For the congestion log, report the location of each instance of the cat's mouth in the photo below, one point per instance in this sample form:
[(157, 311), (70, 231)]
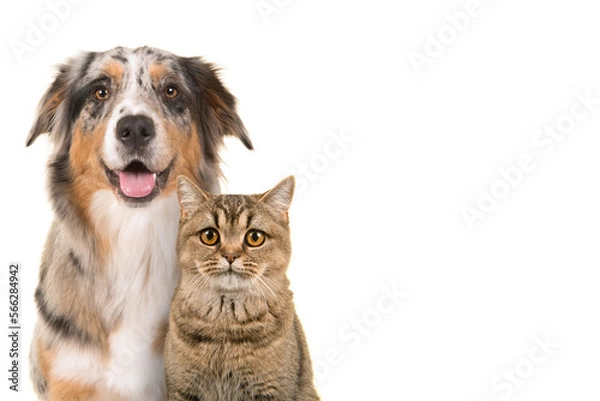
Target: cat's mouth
[(232, 278), (241, 272), (229, 270), (234, 272)]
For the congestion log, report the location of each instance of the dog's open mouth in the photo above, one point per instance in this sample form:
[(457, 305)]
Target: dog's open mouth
[(136, 183)]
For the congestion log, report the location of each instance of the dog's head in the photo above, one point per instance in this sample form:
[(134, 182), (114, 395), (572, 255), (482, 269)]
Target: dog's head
[(132, 120)]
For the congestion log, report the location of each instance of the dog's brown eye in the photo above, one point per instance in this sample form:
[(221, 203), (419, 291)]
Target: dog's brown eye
[(171, 92), (209, 236), (255, 238), (101, 94)]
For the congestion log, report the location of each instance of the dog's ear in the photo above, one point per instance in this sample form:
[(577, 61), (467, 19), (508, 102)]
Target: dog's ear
[(47, 112), (214, 103), (56, 104)]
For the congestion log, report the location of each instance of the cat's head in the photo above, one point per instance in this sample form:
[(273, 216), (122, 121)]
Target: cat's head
[(232, 241)]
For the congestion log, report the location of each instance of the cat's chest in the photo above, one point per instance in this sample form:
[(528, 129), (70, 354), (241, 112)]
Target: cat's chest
[(240, 312), (241, 372)]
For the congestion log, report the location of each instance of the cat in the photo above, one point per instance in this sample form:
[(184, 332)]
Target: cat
[(233, 331)]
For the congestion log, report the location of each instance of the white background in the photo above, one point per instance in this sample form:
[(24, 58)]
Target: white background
[(386, 209)]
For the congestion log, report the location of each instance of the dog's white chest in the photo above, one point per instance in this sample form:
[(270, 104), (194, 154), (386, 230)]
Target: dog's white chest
[(143, 274)]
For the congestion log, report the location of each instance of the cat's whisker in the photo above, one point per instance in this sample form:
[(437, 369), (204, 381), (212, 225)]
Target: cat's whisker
[(266, 285), (260, 292), (264, 297), (197, 284)]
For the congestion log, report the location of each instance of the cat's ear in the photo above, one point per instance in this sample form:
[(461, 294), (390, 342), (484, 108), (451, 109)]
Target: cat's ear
[(279, 198), (190, 197)]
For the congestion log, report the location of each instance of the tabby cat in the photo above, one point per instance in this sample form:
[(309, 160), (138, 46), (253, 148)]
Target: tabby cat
[(233, 331)]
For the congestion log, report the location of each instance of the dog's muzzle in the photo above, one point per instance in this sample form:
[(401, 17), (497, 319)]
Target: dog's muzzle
[(135, 133)]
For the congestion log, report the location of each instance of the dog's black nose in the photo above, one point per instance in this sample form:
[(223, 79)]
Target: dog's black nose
[(135, 131)]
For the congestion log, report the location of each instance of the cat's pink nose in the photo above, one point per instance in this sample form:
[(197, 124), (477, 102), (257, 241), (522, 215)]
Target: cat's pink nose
[(231, 256)]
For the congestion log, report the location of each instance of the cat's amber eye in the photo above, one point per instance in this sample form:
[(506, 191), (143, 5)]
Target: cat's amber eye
[(209, 236), (255, 238)]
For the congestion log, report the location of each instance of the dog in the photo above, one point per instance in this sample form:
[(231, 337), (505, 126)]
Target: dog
[(123, 125)]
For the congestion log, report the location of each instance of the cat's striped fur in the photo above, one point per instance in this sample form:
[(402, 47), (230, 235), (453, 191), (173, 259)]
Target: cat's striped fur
[(233, 331)]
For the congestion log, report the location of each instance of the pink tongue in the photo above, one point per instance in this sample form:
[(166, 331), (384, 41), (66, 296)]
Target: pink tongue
[(136, 184)]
